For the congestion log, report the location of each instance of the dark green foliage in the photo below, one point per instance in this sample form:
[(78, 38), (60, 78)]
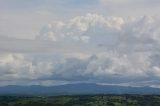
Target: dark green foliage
[(88, 100)]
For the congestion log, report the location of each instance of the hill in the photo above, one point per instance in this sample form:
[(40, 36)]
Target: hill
[(75, 89)]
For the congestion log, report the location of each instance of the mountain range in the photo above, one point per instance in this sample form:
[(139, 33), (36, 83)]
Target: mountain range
[(76, 89)]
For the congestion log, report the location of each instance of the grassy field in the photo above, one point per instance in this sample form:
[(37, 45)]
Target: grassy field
[(85, 100)]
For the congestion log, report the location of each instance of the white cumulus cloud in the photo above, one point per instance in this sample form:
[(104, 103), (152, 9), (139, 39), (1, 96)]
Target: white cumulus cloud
[(121, 50)]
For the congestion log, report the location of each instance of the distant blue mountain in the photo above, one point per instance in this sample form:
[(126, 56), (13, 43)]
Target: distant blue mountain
[(75, 89)]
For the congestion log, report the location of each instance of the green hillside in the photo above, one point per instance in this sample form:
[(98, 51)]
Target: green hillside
[(88, 100)]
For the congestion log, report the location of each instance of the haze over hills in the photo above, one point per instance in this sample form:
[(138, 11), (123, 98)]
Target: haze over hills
[(75, 89)]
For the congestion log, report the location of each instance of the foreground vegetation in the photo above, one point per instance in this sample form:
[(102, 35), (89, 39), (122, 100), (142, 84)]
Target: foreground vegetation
[(96, 100)]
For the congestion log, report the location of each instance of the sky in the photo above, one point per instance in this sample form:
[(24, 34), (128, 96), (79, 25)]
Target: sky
[(54, 42)]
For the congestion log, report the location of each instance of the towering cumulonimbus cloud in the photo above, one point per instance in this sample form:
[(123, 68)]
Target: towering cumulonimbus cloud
[(94, 28), (81, 28), (124, 51)]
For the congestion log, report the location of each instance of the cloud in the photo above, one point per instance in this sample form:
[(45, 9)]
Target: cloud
[(130, 7), (18, 66), (123, 34), (130, 43), (115, 1), (110, 50), (23, 19), (108, 68), (80, 29), (14, 45)]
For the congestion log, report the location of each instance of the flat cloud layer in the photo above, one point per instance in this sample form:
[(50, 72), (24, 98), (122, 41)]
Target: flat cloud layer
[(124, 51)]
